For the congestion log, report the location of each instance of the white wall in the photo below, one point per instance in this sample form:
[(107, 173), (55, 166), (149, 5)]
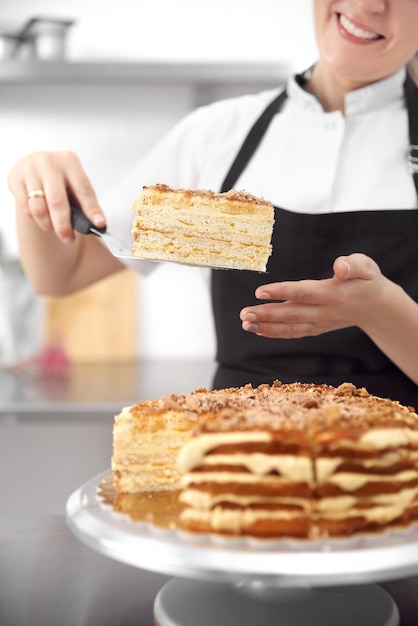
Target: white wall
[(110, 127), (178, 29)]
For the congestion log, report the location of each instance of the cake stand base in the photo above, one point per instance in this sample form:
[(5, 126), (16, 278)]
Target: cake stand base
[(183, 602)]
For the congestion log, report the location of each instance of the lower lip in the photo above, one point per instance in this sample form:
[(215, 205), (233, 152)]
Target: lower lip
[(352, 38)]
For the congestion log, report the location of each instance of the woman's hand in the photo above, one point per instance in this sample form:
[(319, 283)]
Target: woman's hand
[(352, 297), (42, 183)]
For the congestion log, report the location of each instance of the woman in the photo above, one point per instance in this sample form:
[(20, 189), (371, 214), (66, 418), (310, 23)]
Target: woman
[(341, 303)]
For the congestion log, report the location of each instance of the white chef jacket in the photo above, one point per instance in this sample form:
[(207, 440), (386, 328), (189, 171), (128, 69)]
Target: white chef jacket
[(308, 161)]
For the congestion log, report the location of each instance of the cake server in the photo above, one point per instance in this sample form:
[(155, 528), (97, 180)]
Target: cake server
[(83, 225)]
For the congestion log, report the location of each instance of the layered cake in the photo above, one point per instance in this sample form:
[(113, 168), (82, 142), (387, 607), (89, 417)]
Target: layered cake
[(287, 460), (201, 227)]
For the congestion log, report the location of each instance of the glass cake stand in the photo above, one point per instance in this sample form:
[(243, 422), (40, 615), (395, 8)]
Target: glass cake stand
[(241, 582)]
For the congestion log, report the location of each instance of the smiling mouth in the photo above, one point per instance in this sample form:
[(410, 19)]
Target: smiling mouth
[(355, 30)]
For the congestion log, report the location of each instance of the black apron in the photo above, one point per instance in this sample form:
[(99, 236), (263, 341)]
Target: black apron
[(305, 247)]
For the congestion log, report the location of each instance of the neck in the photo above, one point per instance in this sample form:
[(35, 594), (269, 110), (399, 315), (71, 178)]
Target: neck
[(330, 88)]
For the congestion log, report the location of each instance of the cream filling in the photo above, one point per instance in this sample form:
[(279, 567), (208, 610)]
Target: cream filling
[(235, 520), (391, 458), (351, 481), (326, 467), (298, 468), (385, 438), (378, 439), (193, 452), (227, 477), (341, 504), (412, 436), (348, 481), (205, 501), (387, 507), (338, 505)]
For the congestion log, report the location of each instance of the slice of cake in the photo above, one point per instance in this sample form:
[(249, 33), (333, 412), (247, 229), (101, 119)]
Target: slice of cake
[(201, 227), (286, 460)]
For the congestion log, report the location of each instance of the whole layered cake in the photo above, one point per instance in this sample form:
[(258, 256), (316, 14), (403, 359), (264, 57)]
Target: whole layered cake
[(287, 460), (201, 227)]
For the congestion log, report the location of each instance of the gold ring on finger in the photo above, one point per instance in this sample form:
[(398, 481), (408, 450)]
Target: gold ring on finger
[(36, 193)]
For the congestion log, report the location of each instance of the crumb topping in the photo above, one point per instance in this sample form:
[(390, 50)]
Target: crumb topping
[(232, 194), (293, 406)]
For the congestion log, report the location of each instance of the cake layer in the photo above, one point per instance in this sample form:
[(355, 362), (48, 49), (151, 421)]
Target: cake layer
[(200, 251), (182, 222)]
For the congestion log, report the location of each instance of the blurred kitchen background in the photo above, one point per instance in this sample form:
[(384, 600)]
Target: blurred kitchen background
[(106, 79)]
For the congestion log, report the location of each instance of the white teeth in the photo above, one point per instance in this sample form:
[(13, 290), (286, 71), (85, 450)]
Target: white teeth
[(353, 30)]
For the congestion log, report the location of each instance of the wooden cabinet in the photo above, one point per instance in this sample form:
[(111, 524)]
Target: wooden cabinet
[(99, 323)]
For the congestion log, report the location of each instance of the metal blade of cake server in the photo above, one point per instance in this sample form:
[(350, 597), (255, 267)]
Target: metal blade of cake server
[(117, 248)]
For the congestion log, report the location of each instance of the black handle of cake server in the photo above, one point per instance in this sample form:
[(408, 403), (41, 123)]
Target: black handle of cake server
[(82, 224)]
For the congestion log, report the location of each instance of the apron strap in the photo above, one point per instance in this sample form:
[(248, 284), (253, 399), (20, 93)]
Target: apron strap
[(252, 141), (411, 95)]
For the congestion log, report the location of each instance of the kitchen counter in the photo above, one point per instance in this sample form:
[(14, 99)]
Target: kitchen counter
[(56, 433), (48, 577), (97, 389)]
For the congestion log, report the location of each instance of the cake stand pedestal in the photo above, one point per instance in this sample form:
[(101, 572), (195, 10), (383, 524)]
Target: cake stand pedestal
[(194, 603), (247, 582)]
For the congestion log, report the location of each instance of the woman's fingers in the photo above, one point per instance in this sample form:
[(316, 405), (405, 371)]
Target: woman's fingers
[(285, 320), (64, 178), (59, 176), (82, 189), (304, 291), (38, 209), (26, 185), (53, 169), (295, 312)]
